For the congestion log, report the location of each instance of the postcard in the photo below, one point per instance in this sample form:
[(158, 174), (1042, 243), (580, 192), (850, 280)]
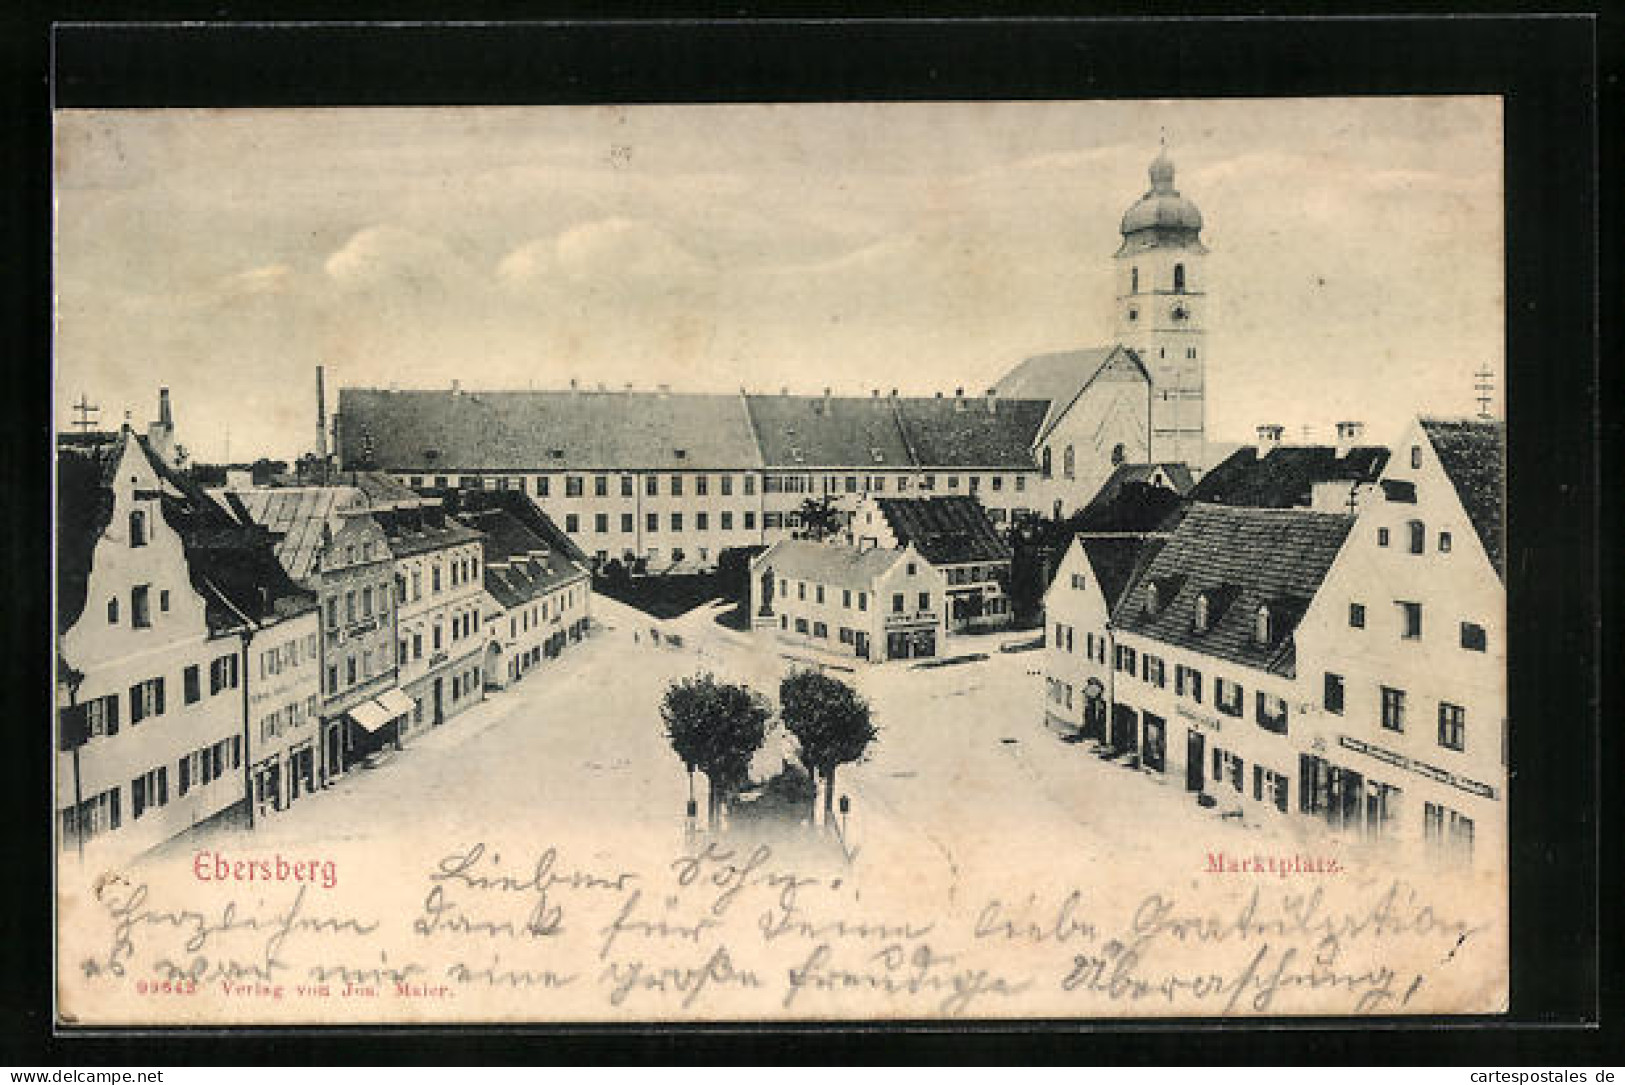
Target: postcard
[(780, 562)]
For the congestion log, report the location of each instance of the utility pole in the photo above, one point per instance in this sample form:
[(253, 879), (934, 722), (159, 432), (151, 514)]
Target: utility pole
[(84, 408), (1483, 387)]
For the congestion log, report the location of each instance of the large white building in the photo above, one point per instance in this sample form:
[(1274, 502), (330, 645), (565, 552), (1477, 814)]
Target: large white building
[(664, 476), (161, 598)]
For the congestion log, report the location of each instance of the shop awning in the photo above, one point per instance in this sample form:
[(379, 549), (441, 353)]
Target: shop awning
[(370, 716), (395, 702)]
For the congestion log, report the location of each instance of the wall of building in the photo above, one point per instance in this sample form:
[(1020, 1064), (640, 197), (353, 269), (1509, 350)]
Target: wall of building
[(1105, 426), (1173, 348), (440, 602), (284, 712), (1452, 586), (358, 649), (1077, 648), (114, 654)]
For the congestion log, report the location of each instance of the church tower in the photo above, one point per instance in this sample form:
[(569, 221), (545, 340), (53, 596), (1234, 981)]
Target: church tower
[(1161, 312)]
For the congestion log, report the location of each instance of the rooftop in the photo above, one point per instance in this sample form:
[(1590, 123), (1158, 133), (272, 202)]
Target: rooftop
[(1472, 453), (1286, 476), (945, 530), (1239, 560), (827, 563)]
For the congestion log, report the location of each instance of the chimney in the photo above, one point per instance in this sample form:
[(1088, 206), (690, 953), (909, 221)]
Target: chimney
[(992, 400), (575, 386), (321, 415), (894, 393), (959, 399), (1348, 435), (1269, 439), (939, 395), (874, 393), (628, 387), (456, 387), (784, 390), (161, 434), (825, 408)]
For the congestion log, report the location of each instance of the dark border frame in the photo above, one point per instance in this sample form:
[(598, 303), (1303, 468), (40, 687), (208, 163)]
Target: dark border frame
[(1545, 68)]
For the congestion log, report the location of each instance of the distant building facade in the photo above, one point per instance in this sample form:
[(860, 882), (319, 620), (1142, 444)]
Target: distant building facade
[(956, 536), (872, 605)]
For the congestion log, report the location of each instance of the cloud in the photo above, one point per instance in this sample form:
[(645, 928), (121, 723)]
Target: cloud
[(385, 256)]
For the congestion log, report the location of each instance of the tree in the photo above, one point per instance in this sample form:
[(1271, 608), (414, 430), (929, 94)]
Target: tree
[(832, 722), (819, 518), (715, 728)]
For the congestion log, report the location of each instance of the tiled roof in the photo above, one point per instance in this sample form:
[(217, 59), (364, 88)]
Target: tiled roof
[(838, 431), (827, 563), (1471, 453), (296, 515), (945, 530), (1286, 476), (519, 564), (518, 505), (963, 432), (1059, 377), (419, 530), (1242, 559), (1115, 561), (1128, 503), (84, 505), (447, 432)]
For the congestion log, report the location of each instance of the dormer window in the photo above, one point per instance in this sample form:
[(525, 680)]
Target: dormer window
[(556, 453), (1151, 599), (680, 453), (1262, 626), (1202, 617), (877, 455)]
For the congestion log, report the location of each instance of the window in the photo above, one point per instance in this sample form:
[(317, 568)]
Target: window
[(101, 717), (138, 528), (820, 630), (190, 685), (863, 600), (651, 485), (1418, 536), (572, 485), (1126, 657), (600, 522), (750, 485), (1069, 463), (1356, 616), (572, 523), (1188, 681), (1393, 709), (651, 521), (702, 520), (801, 625), (1227, 696), (1269, 786), (1382, 536), (1472, 637), (1021, 482), (626, 522), (1444, 542), (1151, 669), (750, 521), (1410, 615), (1452, 726), (897, 603), (1227, 766), (350, 670), (112, 612), (1271, 713), (677, 521), (1416, 456), (146, 699), (366, 602), (332, 677), (819, 592), (727, 518), (1046, 469), (925, 601), (1134, 280), (1442, 827), (1333, 696), (677, 485), (600, 485), (1179, 278), (222, 674), (1261, 626), (141, 606)]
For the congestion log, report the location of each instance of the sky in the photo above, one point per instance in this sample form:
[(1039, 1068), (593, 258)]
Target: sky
[(1355, 268)]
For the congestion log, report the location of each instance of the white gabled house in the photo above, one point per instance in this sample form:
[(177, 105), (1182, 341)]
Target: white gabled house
[(874, 604), (1403, 655)]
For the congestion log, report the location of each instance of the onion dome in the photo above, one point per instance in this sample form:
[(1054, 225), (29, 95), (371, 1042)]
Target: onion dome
[(1162, 205)]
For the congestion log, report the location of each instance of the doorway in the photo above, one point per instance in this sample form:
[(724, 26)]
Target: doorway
[(439, 701)]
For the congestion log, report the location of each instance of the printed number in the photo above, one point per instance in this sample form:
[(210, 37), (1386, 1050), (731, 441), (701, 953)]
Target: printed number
[(166, 987)]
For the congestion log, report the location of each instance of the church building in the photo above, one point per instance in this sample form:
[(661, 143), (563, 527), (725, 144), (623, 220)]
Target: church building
[(669, 477)]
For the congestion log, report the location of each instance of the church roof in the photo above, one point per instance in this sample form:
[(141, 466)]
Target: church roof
[(1470, 451), (1241, 559), (1061, 377)]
